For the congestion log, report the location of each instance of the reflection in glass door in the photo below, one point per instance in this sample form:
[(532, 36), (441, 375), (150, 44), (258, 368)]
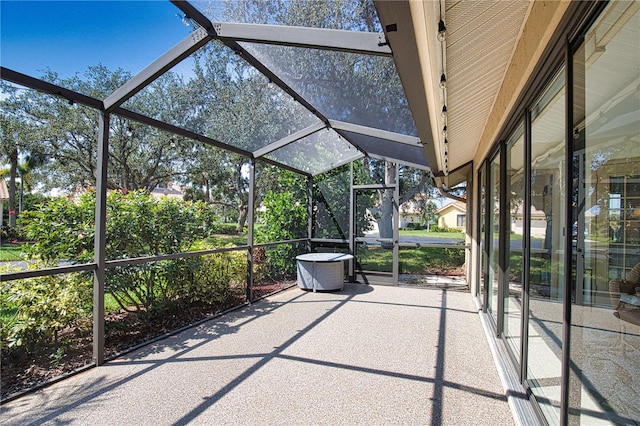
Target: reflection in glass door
[(604, 382), (493, 233), (515, 203), (376, 229), (546, 257)]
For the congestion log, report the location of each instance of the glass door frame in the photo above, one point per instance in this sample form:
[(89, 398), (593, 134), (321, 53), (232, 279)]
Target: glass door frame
[(374, 277)]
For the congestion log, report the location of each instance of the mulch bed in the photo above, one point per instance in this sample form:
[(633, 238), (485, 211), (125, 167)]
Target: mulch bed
[(123, 330)]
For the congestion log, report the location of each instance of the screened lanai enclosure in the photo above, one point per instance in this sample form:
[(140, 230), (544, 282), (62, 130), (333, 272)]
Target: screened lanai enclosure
[(285, 129)]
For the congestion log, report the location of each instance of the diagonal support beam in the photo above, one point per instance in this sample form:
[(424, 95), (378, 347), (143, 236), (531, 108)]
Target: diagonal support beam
[(186, 47), (289, 139), (376, 133), (316, 38), (46, 87)]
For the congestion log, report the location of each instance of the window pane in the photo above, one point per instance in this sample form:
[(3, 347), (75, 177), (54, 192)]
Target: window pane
[(482, 255), (605, 333), (216, 93), (546, 273), (515, 194), (493, 233), (316, 153), (51, 206), (354, 16)]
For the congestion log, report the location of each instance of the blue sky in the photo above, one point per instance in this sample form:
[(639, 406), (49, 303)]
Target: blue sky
[(69, 36)]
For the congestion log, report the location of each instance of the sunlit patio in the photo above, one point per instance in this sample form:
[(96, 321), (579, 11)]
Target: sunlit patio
[(364, 355), (321, 129)]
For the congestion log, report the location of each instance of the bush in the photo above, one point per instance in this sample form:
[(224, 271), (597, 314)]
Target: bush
[(285, 219), (416, 226), (11, 234), (451, 230), (41, 307), (215, 278), (137, 225), (224, 228), (36, 312)]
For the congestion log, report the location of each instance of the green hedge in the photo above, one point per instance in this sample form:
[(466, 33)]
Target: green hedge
[(35, 310)]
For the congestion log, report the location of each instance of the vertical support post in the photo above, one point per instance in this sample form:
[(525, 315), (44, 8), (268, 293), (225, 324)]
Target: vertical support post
[(503, 229), (566, 373), (251, 220), (309, 212), (100, 239), (352, 229), (526, 249), (396, 223), (487, 241)]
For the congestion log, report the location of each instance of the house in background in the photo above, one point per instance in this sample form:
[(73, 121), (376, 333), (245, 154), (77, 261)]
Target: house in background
[(453, 215), (172, 191), (409, 212)]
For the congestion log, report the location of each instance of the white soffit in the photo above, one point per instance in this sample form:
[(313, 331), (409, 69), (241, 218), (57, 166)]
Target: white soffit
[(481, 38)]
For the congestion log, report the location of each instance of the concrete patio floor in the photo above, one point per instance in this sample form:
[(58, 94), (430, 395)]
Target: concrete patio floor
[(370, 355)]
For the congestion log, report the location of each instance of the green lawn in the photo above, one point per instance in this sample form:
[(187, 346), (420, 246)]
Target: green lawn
[(418, 260), (222, 240), (9, 252), (424, 233)]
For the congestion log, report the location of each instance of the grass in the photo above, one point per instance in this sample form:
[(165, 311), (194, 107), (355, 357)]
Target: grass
[(411, 260), (10, 252), (423, 233), (222, 240)]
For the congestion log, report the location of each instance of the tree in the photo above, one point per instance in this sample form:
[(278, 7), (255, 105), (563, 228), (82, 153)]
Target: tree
[(63, 136), (428, 213), (17, 135)]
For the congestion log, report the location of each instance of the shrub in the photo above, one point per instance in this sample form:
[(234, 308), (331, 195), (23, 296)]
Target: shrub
[(35, 311), (285, 219), (224, 228), (10, 234), (41, 307), (137, 225), (61, 229)]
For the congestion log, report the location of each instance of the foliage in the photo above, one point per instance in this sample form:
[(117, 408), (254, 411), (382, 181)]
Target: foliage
[(224, 228), (35, 310), (42, 308), (428, 212), (417, 226), (449, 230), (60, 138), (61, 228), (213, 278), (285, 218), (331, 204), (8, 233), (137, 225)]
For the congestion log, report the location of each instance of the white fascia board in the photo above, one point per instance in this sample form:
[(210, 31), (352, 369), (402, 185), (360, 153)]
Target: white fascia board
[(376, 133), (316, 38), (405, 163)]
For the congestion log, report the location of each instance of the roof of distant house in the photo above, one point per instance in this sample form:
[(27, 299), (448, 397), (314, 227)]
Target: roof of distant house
[(454, 204), (166, 191)]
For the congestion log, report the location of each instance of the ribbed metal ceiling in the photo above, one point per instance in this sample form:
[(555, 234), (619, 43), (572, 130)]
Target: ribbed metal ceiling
[(481, 39)]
